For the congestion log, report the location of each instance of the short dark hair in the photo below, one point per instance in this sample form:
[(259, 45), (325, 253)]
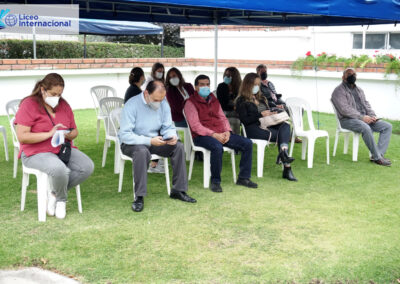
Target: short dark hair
[(135, 75), (261, 66), (201, 77), (154, 85)]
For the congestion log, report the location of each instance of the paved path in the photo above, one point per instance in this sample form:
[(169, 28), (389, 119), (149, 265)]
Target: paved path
[(33, 276)]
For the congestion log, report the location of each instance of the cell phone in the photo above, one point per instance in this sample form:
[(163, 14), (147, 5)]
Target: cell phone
[(167, 139)]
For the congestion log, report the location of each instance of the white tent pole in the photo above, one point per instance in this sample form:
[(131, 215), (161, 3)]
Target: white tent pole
[(215, 54), (34, 42)]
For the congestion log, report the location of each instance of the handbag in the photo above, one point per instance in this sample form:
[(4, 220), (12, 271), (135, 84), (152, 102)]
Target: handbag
[(273, 119), (65, 150)]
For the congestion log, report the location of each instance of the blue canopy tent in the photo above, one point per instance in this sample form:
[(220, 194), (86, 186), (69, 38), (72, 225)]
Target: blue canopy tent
[(107, 27), (238, 12)]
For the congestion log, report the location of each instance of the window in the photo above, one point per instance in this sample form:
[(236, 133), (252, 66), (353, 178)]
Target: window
[(394, 41), (375, 41), (357, 41)]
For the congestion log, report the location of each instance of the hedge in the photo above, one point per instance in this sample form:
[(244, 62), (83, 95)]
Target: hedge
[(13, 49)]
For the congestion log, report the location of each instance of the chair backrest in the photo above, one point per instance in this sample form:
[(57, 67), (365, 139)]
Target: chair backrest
[(115, 117), (338, 126), (243, 130), (190, 131), (12, 107), (107, 105), (13, 133), (296, 107), (100, 92)]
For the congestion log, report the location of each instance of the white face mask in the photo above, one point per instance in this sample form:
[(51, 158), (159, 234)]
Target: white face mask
[(256, 88), (174, 81), (52, 101), (159, 75)]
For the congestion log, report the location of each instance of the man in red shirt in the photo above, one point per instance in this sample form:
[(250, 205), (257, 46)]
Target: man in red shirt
[(211, 130)]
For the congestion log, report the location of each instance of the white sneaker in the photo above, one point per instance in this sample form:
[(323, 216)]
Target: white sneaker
[(51, 204), (61, 209)]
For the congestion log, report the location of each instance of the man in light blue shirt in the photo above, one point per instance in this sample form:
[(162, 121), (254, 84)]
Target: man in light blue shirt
[(146, 128)]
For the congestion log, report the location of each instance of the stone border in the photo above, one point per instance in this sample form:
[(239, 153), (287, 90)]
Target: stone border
[(96, 63)]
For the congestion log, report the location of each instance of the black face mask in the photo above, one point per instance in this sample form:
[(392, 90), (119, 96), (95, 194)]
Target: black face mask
[(263, 75), (351, 79)]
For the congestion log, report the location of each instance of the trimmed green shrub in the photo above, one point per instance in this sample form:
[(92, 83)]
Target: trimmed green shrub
[(16, 49)]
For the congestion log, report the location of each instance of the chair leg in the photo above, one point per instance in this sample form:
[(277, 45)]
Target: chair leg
[(260, 160), (103, 163), (233, 166), (167, 176), (121, 174), (191, 164), (292, 144), (310, 154), (346, 143), (304, 148), (336, 142), (116, 158), (206, 169), (327, 150), (42, 184), (356, 139), (98, 130), (78, 198), (5, 143), (16, 151), (25, 183)]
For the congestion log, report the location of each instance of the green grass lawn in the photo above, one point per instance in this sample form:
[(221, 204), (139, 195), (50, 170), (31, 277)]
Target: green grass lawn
[(339, 223)]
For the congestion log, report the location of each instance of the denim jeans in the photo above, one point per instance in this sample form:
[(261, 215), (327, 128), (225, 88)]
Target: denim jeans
[(236, 142)]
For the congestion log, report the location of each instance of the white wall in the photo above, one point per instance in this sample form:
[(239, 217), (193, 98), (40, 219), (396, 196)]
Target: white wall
[(280, 45), (316, 88)]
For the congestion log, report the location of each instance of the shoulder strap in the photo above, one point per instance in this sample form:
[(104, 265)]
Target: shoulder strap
[(49, 115)]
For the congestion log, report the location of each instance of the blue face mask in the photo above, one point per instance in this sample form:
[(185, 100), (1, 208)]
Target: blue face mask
[(204, 92), (227, 80)]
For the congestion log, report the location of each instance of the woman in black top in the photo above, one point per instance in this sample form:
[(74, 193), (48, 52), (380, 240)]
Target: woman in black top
[(251, 105), (136, 80), (227, 92)]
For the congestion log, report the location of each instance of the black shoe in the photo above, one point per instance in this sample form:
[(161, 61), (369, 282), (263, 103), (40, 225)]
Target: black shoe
[(383, 162), (283, 157), (246, 182), (138, 204), (216, 187), (181, 195), (288, 174), (198, 156)]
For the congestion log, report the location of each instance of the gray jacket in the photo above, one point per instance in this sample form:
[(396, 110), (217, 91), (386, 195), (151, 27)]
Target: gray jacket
[(345, 104)]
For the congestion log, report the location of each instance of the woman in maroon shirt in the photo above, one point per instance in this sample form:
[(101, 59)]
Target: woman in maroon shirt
[(178, 91), (39, 117)]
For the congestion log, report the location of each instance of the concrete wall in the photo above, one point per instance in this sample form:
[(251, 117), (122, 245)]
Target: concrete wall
[(315, 87)]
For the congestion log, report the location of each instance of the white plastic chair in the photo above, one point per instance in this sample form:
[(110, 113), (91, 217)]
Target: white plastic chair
[(3, 131), (207, 160), (107, 105), (98, 93), (261, 145), (346, 132), (16, 146), (296, 106), (186, 142), (12, 107), (115, 119), (43, 185)]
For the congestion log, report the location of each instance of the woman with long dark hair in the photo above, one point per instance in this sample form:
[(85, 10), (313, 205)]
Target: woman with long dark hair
[(39, 117), (227, 92), (178, 91), (251, 105)]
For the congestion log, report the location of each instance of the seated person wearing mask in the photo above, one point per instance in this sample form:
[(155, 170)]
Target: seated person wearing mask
[(136, 80), (146, 128), (211, 130), (355, 113)]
